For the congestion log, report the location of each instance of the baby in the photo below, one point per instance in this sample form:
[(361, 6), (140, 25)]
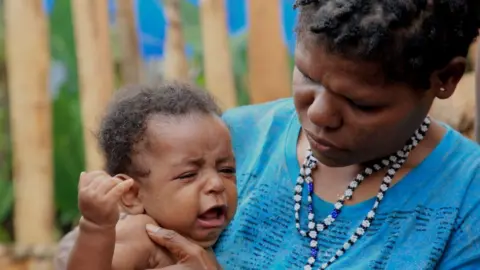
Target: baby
[(169, 161)]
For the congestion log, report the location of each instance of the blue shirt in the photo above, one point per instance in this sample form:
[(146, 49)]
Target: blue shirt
[(430, 219)]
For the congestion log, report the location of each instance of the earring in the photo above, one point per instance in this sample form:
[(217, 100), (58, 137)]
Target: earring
[(442, 89)]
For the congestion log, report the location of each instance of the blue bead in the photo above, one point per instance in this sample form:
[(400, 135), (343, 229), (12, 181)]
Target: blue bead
[(310, 187), (310, 208), (335, 213), (314, 252)]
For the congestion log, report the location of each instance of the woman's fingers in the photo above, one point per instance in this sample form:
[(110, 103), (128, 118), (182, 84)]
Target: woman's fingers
[(188, 254)]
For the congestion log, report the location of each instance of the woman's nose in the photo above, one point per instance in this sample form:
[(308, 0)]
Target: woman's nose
[(324, 112)]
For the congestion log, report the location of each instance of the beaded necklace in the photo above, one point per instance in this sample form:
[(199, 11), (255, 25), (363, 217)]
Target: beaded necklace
[(393, 164)]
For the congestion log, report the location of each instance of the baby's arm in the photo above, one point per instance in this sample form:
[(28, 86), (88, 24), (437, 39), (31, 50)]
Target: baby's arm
[(98, 197)]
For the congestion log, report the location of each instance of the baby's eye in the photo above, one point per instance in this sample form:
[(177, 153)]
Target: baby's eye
[(186, 176), (229, 170)]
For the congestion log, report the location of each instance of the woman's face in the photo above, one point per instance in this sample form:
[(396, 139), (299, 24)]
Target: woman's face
[(349, 114)]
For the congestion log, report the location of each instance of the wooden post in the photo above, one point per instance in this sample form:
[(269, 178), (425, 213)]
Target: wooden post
[(217, 58), (176, 64), (28, 58), (477, 93), (131, 63), (95, 67), (268, 65)]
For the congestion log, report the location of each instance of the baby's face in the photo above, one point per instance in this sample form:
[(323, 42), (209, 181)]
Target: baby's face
[(190, 187)]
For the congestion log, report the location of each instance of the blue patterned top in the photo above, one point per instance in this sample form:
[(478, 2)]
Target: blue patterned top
[(428, 220)]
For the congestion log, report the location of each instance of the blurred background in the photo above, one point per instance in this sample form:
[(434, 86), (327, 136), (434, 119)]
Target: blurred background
[(60, 61)]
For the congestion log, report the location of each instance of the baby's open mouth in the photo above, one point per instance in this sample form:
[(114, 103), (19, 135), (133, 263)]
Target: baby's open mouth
[(214, 217)]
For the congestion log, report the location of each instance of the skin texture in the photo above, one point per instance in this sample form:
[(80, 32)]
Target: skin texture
[(188, 167)]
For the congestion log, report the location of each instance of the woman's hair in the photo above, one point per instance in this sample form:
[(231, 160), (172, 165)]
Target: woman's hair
[(126, 119), (409, 39)]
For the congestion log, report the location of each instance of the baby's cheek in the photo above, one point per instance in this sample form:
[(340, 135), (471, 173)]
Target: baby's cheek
[(231, 191), (173, 211)]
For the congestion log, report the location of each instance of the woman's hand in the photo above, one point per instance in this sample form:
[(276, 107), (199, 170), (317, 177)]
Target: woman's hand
[(189, 255)]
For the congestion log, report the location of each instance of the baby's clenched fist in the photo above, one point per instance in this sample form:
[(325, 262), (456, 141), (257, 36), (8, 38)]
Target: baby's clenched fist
[(98, 197)]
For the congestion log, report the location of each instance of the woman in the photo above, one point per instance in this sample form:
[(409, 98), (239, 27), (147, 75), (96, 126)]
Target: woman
[(351, 173)]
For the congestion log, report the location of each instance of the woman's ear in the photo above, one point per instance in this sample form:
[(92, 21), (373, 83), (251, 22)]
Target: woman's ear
[(130, 200), (444, 82)]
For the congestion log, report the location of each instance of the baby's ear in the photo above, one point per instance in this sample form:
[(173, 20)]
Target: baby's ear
[(130, 201)]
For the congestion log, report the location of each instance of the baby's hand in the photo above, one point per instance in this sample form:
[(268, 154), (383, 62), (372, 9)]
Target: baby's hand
[(98, 196)]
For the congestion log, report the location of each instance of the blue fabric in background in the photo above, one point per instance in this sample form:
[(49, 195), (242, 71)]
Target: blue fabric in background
[(151, 22)]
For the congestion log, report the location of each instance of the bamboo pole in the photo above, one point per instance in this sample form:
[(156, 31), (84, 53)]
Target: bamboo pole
[(219, 78), (131, 63), (95, 66), (477, 93), (268, 65), (176, 64), (28, 57)]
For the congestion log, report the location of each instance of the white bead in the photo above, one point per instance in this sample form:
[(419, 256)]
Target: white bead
[(332, 260), (313, 243), (307, 267), (396, 166), (311, 260), (393, 158), (375, 205), (360, 231), (320, 227), (348, 193), (325, 265), (366, 223), (311, 225), (346, 245), (383, 187), (415, 142), (303, 233), (368, 171), (380, 195), (310, 216), (300, 180), (385, 162), (400, 153), (353, 184), (297, 207), (297, 198), (360, 177), (339, 253), (377, 167), (298, 188), (309, 198), (312, 234), (371, 214), (387, 179), (327, 222), (297, 225), (297, 216), (308, 171), (354, 238), (391, 171), (308, 179), (302, 171), (338, 205)]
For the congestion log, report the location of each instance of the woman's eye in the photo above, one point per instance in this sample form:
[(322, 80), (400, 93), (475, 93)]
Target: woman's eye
[(365, 108)]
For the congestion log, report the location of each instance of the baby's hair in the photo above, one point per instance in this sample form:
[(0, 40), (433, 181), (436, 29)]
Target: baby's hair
[(125, 121), (409, 39)]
